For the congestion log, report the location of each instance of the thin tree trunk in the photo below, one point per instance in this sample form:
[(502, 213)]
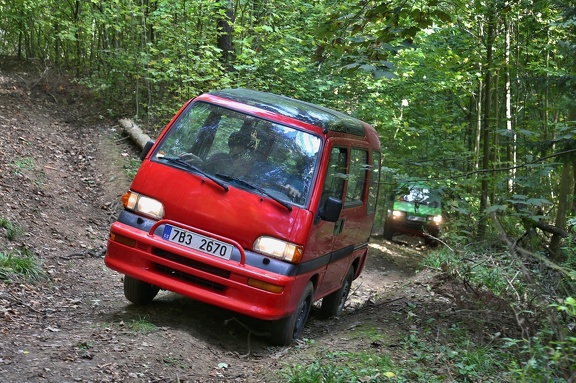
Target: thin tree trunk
[(511, 151), (478, 130), (225, 34), (565, 188)]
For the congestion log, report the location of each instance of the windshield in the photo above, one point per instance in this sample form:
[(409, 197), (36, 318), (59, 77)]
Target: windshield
[(242, 150)]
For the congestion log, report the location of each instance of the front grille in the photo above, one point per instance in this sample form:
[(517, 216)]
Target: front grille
[(191, 263), (189, 278), (414, 225)]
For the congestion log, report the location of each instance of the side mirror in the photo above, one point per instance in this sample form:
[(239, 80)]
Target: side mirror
[(146, 149), (331, 209)]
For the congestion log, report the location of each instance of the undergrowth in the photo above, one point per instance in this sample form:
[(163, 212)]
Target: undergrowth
[(533, 287), (542, 347)]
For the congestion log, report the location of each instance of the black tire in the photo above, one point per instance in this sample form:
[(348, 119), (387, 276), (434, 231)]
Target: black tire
[(286, 330), (333, 304), (138, 292)]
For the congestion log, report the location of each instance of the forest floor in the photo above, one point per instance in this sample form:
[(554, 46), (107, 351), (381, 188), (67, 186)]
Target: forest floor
[(63, 168)]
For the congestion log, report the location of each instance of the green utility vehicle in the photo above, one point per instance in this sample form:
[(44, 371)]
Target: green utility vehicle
[(415, 210)]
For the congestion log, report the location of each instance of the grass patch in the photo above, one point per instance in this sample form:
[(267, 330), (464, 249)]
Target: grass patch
[(20, 264), (12, 231), (418, 357), (132, 167), (23, 164), (343, 367), (142, 325), (460, 359)]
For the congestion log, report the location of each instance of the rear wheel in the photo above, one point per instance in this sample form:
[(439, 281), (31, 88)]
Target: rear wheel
[(139, 292), (286, 330), (333, 304)]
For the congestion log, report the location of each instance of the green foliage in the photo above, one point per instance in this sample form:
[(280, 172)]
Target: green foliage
[(551, 354), (460, 358), (491, 269), (376, 32), (420, 357), (570, 251)]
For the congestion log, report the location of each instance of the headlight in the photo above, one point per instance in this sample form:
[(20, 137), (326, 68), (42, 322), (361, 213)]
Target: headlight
[(278, 249), (437, 219), (398, 214), (143, 205)]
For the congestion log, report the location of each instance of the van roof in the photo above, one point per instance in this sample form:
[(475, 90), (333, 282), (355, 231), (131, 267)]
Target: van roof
[(325, 118)]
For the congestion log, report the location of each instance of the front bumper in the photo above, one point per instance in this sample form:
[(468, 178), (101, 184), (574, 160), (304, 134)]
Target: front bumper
[(206, 278), (413, 227)]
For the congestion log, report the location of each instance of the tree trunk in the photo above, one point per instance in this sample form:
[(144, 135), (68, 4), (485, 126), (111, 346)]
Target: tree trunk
[(225, 33), (572, 120), (486, 124), (134, 132)]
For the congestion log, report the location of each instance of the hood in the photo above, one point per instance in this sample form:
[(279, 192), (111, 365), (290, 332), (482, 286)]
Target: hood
[(237, 214), (422, 210)]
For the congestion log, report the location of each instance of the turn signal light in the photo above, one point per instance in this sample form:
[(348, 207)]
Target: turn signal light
[(265, 286)]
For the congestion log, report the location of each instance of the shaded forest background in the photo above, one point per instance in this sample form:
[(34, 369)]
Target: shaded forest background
[(476, 98)]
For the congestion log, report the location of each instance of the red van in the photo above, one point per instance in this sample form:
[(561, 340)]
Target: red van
[(254, 202)]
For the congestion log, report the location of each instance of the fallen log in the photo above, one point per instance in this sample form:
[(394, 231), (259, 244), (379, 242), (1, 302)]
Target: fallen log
[(134, 132)]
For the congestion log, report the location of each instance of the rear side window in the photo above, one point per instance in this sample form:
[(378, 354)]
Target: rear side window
[(357, 176), (374, 182)]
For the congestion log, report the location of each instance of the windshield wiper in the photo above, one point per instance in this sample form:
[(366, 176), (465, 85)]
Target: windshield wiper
[(189, 166), (257, 188)]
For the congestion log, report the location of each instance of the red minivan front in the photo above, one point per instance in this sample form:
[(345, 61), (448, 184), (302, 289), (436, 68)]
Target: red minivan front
[(253, 202)]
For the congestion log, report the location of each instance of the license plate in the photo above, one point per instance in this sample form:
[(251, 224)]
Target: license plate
[(197, 242), (416, 218)]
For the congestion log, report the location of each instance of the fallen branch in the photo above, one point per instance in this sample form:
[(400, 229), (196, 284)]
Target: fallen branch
[(134, 132), (515, 249), (23, 303)]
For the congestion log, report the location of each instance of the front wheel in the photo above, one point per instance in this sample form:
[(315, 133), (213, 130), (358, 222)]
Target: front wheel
[(333, 304), (286, 330), (139, 292)]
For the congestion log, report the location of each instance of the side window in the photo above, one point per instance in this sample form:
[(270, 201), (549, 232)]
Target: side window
[(334, 184), (374, 182), (357, 176)]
